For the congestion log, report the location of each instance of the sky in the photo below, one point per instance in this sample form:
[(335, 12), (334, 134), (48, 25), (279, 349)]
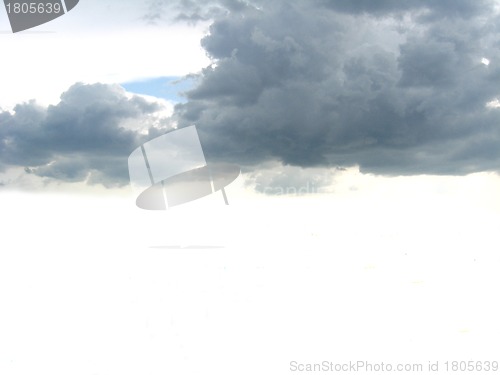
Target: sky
[(362, 226)]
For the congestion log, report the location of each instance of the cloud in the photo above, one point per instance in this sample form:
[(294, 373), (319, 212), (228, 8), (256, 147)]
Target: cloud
[(139, 52), (395, 87), (306, 87), (191, 11), (82, 138), (444, 8)]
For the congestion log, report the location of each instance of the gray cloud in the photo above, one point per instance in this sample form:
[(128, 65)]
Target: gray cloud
[(443, 8), (396, 87), (80, 138), (191, 11)]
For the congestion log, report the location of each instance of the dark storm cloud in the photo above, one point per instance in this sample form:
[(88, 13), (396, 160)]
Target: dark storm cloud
[(80, 138), (448, 8), (396, 87)]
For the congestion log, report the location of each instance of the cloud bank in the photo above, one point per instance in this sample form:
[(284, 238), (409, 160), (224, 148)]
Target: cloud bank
[(396, 87), (82, 138)]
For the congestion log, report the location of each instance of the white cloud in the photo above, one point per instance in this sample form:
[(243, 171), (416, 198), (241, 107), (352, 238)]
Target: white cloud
[(104, 42), (495, 103)]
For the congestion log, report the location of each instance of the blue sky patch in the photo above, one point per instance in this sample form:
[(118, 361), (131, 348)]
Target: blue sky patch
[(169, 88)]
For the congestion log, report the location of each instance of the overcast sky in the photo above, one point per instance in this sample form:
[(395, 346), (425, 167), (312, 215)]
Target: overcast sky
[(397, 88), (364, 226), (389, 87)]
